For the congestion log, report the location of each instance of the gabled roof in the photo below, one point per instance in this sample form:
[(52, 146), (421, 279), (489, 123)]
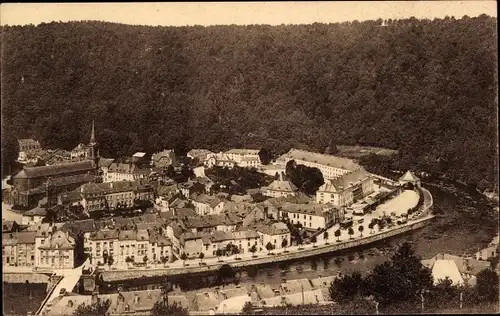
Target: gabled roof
[(446, 268), (409, 176), (282, 186), (321, 159), (207, 199), (55, 170), (277, 228), (104, 234), (59, 240), (345, 181), (106, 162), (243, 151), (37, 211)]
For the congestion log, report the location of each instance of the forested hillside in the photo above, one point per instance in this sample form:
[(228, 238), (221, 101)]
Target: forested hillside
[(427, 88)]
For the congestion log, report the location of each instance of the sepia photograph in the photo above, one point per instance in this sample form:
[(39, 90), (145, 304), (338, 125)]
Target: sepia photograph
[(249, 158)]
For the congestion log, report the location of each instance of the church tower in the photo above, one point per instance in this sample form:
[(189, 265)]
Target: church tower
[(93, 147)]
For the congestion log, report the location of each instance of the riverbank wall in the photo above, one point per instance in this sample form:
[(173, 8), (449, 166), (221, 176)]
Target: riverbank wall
[(308, 251), (26, 278)]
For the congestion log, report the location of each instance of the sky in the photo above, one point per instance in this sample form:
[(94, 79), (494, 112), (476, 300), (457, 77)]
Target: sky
[(240, 13)]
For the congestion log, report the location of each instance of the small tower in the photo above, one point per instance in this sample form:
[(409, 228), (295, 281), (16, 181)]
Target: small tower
[(93, 147)]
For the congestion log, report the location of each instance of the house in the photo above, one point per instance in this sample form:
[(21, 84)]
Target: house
[(126, 171), (488, 252), (346, 189), (312, 216), (281, 187), (26, 145), (409, 178), (18, 249), (164, 158), (34, 216), (81, 151), (56, 250), (468, 267), (219, 160), (199, 154), (443, 269), (273, 233), (205, 204), (244, 157), (330, 166)]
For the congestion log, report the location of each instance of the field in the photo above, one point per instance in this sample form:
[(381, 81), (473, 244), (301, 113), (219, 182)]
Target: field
[(356, 152)]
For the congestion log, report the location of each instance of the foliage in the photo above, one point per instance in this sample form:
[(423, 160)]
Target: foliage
[(350, 232), (338, 232), (284, 243), (325, 235), (487, 285), (237, 180), (314, 239), (269, 246), (247, 309), (307, 179), (97, 308), (424, 87), (401, 278), (361, 228), (183, 256), (266, 156), (173, 309), (346, 288)]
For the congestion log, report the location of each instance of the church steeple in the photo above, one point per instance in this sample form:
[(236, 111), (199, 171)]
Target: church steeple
[(92, 136)]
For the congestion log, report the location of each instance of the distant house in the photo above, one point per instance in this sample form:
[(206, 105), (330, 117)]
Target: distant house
[(19, 249), (10, 226), (199, 154), (206, 204), (34, 216), (409, 178), (281, 187), (56, 250), (164, 158), (82, 151), (220, 160), (26, 145), (273, 233), (346, 188), (468, 267), (244, 157), (312, 216)]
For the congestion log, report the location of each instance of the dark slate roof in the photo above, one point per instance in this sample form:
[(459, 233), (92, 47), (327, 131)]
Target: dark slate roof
[(58, 182), (55, 170)]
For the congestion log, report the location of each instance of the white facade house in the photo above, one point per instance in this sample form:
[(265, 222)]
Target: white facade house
[(312, 216), (330, 166), (274, 234), (244, 157), (207, 205), (281, 187), (346, 189)]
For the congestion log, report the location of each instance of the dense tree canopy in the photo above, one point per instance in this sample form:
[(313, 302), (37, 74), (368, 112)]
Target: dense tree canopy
[(424, 87)]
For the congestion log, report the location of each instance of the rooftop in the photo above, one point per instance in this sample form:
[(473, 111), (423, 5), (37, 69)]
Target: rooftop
[(55, 170), (322, 159)]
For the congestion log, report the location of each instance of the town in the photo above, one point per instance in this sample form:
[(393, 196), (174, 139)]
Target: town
[(76, 213)]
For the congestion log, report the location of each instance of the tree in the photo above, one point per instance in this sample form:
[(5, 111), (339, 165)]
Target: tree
[(247, 308), (110, 261), (265, 156), (361, 228), (201, 256), (253, 249), (97, 308), (284, 243), (370, 226), (346, 288), (337, 234), (129, 260), (163, 260), (145, 259), (183, 258), (325, 236), (400, 279), (269, 247), (314, 240), (487, 285), (350, 232), (174, 309)]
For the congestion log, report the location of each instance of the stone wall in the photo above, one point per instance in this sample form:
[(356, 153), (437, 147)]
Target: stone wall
[(23, 277)]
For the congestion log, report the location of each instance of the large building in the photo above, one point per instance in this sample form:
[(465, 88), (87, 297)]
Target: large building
[(27, 145), (164, 158), (330, 166), (33, 183), (346, 189)]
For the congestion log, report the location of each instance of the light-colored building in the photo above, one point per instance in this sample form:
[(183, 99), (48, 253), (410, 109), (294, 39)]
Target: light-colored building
[(56, 250), (207, 205), (346, 189), (312, 216), (81, 151), (119, 171), (244, 157), (330, 166), (34, 216), (199, 154), (219, 160), (273, 233), (26, 145), (18, 249), (409, 178), (164, 158), (281, 187)]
